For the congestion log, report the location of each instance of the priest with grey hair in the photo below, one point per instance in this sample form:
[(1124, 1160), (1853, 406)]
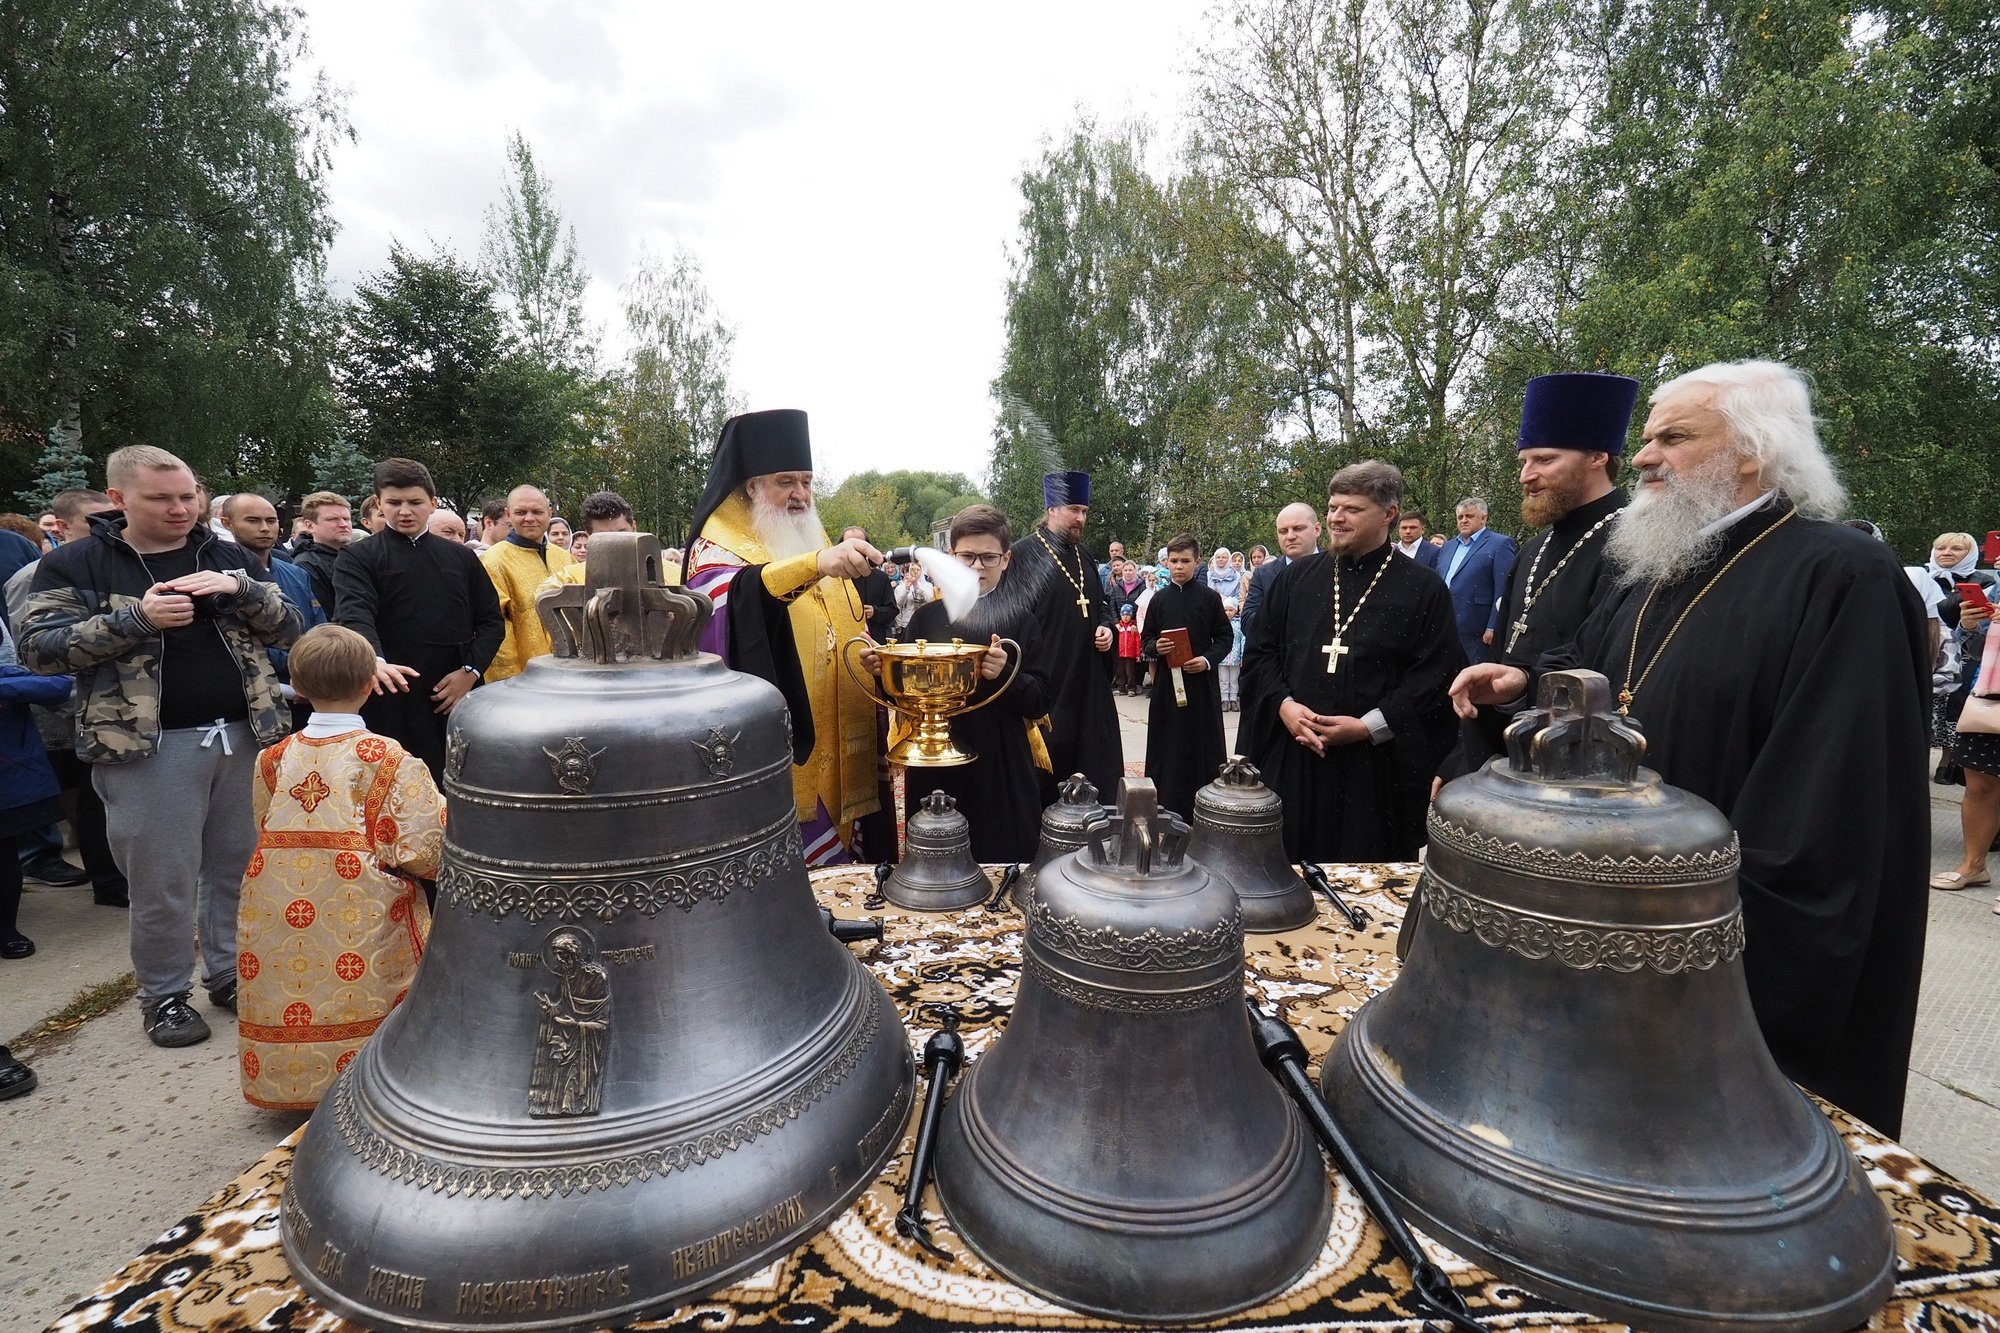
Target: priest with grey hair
[(1776, 659)]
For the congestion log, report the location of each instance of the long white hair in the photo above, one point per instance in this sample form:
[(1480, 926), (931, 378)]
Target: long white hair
[(1768, 406)]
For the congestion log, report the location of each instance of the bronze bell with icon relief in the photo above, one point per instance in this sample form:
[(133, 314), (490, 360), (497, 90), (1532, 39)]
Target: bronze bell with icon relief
[(1566, 1082), (634, 1064)]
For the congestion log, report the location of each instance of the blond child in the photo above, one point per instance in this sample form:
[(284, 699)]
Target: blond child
[(332, 922)]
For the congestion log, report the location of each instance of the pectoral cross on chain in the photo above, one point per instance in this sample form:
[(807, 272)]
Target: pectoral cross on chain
[(1083, 605), (1519, 628), (1334, 652)]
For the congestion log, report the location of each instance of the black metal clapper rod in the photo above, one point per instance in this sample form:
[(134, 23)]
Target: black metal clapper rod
[(944, 1056), (1002, 895), (849, 931), (1285, 1056), (1317, 878)]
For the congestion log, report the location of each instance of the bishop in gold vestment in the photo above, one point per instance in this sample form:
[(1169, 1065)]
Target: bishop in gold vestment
[(776, 617)]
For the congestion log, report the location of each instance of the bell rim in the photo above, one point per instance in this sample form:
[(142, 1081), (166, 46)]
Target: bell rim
[(1297, 1165), (651, 1307), (1838, 1315), (1815, 1187)]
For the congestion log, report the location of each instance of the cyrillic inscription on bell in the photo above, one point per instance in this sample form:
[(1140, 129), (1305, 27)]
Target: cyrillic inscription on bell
[(1567, 1084), (634, 1065)]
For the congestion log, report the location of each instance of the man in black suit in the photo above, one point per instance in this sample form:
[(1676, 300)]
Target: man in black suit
[(1413, 539), (877, 592), (1298, 537)]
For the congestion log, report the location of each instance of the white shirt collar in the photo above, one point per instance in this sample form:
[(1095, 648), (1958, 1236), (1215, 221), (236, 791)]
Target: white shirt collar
[(1731, 519), (322, 725)]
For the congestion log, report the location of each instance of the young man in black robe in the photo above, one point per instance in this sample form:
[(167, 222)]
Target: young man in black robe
[(1184, 744), (1344, 681), (427, 607), (1777, 662), (1075, 643), (1572, 439), (999, 792)]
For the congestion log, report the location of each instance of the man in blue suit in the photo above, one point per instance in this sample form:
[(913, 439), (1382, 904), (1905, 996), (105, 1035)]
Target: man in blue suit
[(1413, 540), (1476, 567)]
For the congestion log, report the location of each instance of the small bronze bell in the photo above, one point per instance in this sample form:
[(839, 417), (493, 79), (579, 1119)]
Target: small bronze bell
[(937, 872), (1239, 834), (1567, 1083), (1065, 827), (1119, 1149)]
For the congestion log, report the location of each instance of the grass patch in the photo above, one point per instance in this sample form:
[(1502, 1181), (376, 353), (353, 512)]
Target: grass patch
[(89, 1002)]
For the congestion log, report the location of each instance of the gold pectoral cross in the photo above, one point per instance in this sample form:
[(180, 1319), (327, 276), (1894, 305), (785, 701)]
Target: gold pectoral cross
[(1083, 605), (1334, 652)]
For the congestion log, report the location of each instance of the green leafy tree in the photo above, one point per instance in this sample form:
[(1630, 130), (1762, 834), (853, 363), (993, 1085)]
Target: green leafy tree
[(163, 219), (1808, 182), (430, 373), (673, 393), (868, 501), (1394, 154), (1135, 351), (1072, 339), (531, 254)]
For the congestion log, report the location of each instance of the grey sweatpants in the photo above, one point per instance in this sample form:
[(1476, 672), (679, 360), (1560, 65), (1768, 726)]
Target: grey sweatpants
[(180, 828)]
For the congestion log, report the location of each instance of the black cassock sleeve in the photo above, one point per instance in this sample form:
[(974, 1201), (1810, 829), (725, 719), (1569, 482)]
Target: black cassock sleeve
[(760, 640), (354, 595)]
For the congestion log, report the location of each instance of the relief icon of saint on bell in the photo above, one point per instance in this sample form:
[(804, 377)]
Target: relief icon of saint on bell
[(568, 1077)]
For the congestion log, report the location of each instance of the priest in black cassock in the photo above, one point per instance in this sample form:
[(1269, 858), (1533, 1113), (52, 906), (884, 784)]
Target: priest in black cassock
[(1074, 640), (1344, 681), (428, 609), (999, 792), (1571, 444), (1184, 745), (1778, 664)]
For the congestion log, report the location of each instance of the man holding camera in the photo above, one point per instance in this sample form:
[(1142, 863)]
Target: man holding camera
[(165, 628)]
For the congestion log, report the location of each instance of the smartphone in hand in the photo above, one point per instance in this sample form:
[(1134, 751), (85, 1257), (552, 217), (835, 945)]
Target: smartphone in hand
[(1973, 595)]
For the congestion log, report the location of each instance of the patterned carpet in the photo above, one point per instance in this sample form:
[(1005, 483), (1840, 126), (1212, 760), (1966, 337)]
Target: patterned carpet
[(221, 1267)]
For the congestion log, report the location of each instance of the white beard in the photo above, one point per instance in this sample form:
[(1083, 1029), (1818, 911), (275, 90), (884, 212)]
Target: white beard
[(1659, 539), (786, 534)]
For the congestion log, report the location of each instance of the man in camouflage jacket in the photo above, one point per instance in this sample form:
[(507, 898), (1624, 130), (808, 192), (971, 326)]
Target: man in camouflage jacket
[(164, 627)]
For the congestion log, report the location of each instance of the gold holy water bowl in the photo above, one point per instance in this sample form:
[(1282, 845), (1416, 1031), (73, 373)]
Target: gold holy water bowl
[(929, 684)]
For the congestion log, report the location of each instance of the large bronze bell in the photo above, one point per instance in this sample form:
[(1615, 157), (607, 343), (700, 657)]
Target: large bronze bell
[(634, 1064), (1119, 1149), (937, 872), (1566, 1081), (1239, 834), (1065, 827)]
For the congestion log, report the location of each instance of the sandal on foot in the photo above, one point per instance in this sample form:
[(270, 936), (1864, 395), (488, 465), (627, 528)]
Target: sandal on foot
[(1952, 880)]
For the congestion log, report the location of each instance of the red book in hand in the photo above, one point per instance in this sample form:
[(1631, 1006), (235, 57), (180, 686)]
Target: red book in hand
[(1179, 649)]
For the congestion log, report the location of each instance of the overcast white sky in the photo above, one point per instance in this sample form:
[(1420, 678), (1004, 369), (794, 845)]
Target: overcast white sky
[(844, 173)]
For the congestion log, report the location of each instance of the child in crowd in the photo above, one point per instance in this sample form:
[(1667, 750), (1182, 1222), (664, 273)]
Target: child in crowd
[(332, 921), (1232, 665), (1126, 679)]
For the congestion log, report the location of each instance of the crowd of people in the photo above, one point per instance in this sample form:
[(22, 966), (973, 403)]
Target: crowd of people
[(211, 699)]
